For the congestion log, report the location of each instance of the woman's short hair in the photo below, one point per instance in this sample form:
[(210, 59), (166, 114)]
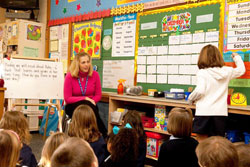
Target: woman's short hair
[(84, 124), (74, 152), (210, 56), (217, 151), (180, 122), (16, 121), (51, 144), (75, 65), (10, 147)]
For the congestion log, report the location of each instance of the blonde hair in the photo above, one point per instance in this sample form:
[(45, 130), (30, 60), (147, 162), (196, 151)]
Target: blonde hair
[(10, 147), (51, 144), (16, 121), (243, 153), (73, 152), (210, 56), (75, 65), (217, 151), (84, 124), (180, 122)]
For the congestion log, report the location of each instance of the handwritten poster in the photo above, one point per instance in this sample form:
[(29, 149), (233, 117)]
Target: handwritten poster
[(124, 28), (112, 70), (237, 39), (87, 38)]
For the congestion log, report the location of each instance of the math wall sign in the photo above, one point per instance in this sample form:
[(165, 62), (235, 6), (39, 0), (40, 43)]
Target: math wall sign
[(176, 22), (237, 39), (87, 38)]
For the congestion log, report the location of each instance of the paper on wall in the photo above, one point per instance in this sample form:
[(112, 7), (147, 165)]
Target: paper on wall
[(151, 78), (174, 39), (151, 69), (194, 80), (162, 79), (199, 37), (174, 49), (212, 36), (185, 79), (142, 50), (185, 49), (186, 38), (184, 59), (141, 69), (162, 50), (173, 69), (141, 60), (162, 69), (173, 59), (194, 59), (204, 18), (152, 50), (141, 78), (151, 59), (162, 59), (173, 79)]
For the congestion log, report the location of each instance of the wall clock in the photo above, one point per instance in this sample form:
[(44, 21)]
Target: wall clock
[(238, 99), (107, 42)]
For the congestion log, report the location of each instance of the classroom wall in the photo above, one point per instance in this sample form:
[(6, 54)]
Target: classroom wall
[(42, 16)]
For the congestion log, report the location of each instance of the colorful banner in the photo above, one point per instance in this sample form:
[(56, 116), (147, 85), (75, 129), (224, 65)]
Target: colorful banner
[(176, 22), (87, 38), (122, 2), (33, 32), (237, 38)]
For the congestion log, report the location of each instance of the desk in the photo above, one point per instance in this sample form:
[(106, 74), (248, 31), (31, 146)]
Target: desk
[(1, 101)]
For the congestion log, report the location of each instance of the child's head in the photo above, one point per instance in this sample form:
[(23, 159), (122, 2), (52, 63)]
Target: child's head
[(84, 124), (243, 153), (10, 146), (217, 151), (210, 56), (51, 144), (180, 122), (123, 146), (134, 119), (16, 121), (74, 152)]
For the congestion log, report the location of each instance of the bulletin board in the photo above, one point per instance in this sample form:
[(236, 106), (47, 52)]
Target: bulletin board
[(236, 39), (170, 41)]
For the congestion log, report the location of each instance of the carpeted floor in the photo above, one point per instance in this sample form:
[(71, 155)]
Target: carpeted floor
[(36, 144)]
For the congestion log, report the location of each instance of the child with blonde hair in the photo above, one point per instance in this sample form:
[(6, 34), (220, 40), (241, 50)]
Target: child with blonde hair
[(211, 92), (84, 125), (51, 144), (123, 147), (16, 121), (74, 152), (243, 153), (217, 151), (134, 119), (179, 150), (9, 148)]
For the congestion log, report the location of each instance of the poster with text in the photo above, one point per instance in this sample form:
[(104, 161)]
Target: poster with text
[(124, 28), (237, 39), (87, 38)]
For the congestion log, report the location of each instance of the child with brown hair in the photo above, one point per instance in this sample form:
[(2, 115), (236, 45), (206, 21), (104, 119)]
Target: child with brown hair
[(51, 144), (123, 147), (134, 119), (16, 121), (74, 152), (217, 151), (9, 148), (84, 125), (211, 92), (243, 154), (179, 150)]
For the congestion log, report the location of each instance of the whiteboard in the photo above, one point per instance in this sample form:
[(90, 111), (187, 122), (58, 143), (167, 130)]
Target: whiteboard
[(33, 79), (113, 70)]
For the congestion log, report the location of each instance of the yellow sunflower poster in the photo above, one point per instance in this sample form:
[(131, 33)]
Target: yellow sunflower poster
[(87, 38)]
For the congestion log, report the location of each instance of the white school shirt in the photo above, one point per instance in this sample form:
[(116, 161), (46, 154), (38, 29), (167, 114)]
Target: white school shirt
[(212, 88)]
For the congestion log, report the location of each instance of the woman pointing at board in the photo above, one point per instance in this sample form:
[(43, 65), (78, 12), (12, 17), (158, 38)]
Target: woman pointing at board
[(82, 85)]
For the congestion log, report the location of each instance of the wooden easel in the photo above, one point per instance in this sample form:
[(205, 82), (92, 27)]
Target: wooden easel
[(11, 105), (57, 105)]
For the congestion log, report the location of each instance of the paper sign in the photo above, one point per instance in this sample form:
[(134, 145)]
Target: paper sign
[(151, 78), (204, 18), (173, 79), (174, 39), (212, 36), (141, 69), (162, 79), (174, 49), (151, 69), (141, 60), (162, 69), (173, 69), (162, 59), (184, 80), (199, 37), (141, 78), (151, 59), (186, 38), (162, 50)]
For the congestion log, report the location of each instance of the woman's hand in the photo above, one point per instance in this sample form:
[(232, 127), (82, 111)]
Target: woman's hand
[(91, 100)]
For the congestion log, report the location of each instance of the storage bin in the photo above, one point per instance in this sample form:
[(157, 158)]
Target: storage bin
[(154, 142), (247, 137), (148, 122), (233, 135), (174, 95)]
